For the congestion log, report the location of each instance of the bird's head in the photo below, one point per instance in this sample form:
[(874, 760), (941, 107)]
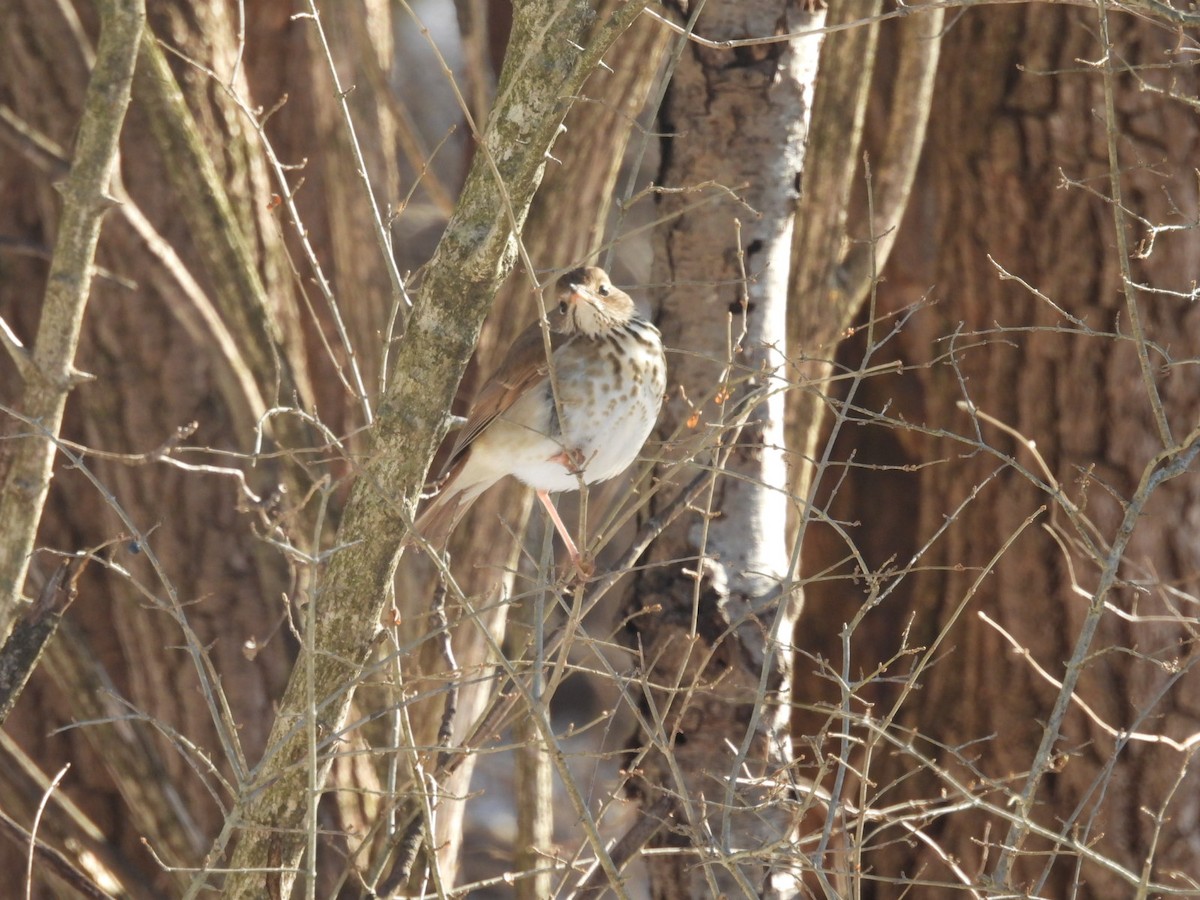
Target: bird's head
[(588, 303)]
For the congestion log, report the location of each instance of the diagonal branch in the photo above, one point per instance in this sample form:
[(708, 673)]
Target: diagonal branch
[(21, 652), (238, 289), (549, 58)]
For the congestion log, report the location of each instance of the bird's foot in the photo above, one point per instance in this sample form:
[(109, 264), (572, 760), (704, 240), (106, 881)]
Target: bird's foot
[(579, 570), (571, 460)]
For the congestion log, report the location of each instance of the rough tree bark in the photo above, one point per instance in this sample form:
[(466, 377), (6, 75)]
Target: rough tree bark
[(156, 371), (713, 611), (1018, 170)]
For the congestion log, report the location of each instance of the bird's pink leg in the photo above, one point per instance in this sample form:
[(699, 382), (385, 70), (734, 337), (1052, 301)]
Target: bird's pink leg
[(562, 529)]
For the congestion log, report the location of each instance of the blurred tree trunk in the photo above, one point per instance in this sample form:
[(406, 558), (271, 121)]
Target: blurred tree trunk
[(1016, 116), (155, 373)]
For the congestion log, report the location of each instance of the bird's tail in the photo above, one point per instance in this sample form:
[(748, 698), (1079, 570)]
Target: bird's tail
[(438, 519), (441, 514)]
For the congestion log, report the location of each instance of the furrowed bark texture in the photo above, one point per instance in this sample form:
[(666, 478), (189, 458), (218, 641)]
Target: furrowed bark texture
[(163, 358), (1017, 172), (735, 121)]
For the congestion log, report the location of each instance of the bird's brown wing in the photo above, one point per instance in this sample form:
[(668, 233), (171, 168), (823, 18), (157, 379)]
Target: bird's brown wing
[(523, 367)]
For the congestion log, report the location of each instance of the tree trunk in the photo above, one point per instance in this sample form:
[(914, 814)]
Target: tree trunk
[(122, 657), (710, 615), (955, 519)]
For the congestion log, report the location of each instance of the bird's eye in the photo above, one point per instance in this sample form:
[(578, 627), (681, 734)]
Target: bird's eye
[(562, 307), (602, 290)]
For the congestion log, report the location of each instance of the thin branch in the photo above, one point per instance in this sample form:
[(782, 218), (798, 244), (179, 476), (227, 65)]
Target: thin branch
[(1120, 229), (1186, 746), (37, 821), (21, 652), (399, 290), (1165, 466), (85, 200), (55, 861), (17, 352), (650, 822)]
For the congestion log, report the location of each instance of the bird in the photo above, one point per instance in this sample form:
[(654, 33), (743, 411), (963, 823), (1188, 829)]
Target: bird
[(579, 417)]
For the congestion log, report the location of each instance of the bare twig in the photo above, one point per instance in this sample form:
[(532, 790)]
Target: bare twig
[(1112, 136), (57, 862), (1186, 746), (399, 289), (20, 653), (1165, 466), (37, 821), (651, 820), (85, 200)]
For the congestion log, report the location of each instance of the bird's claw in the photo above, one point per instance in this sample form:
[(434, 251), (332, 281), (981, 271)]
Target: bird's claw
[(571, 460), (580, 570)]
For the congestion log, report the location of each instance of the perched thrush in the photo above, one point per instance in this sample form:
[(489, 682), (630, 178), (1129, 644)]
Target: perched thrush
[(582, 417)]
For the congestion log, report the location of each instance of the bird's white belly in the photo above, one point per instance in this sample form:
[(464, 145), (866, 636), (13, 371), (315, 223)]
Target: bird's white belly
[(601, 430)]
